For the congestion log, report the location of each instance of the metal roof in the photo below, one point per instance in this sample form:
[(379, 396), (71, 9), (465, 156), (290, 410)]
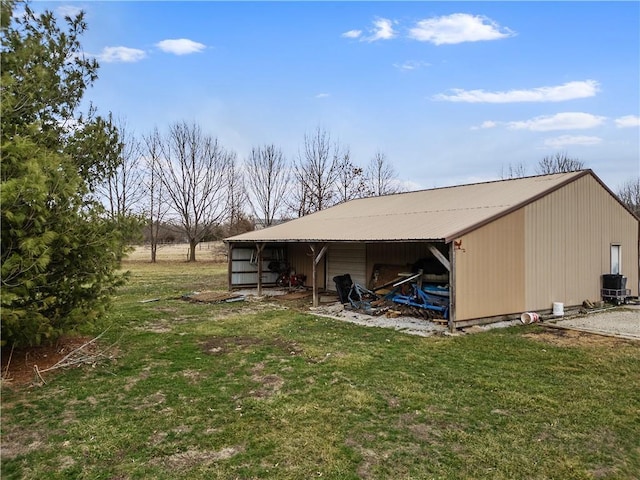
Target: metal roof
[(438, 214)]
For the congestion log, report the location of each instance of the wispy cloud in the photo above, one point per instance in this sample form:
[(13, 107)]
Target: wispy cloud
[(323, 95), (382, 30), (458, 28), (180, 46), (545, 123), (558, 93), (121, 54), (628, 121), (570, 140), (559, 121), (486, 125), (68, 10), (352, 34), (411, 65)]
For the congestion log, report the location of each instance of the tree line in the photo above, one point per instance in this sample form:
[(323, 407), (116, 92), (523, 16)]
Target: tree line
[(185, 178)]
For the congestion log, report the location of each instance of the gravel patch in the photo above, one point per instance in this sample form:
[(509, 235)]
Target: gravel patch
[(623, 322), (266, 292), (409, 325)]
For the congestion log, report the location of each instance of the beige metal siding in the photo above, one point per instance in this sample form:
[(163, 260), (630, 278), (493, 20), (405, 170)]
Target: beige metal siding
[(299, 256), (343, 258), (489, 277), (567, 244)]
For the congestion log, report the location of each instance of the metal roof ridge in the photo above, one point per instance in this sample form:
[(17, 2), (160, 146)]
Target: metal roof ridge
[(577, 174)]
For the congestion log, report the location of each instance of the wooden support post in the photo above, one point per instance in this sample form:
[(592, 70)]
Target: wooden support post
[(259, 249), (452, 289), (316, 260), (436, 253)]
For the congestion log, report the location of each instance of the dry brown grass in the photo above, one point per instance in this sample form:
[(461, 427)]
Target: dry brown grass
[(206, 251)]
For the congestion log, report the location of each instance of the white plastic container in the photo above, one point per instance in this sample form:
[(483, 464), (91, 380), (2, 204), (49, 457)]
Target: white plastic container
[(529, 317), (558, 309)]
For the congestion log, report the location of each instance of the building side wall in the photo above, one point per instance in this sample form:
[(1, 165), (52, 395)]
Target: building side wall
[(490, 264), (568, 238)]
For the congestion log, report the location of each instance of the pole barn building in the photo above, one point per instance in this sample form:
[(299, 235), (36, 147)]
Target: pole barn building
[(503, 247)]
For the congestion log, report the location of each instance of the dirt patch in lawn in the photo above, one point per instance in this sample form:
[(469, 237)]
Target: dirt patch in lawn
[(19, 365), (573, 338), (192, 458), (18, 441), (269, 384), (222, 345), (212, 297)]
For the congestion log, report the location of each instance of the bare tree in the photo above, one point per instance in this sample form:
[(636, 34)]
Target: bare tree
[(237, 198), (194, 176), (298, 198), (559, 163), (629, 194), (381, 176), (350, 179), (267, 179), (123, 188), (517, 170), (315, 172), (157, 207)]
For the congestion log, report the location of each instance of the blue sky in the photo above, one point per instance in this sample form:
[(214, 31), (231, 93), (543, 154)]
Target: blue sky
[(450, 92)]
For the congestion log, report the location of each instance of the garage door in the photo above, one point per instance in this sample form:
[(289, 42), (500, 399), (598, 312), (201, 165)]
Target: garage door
[(348, 258), (244, 267)]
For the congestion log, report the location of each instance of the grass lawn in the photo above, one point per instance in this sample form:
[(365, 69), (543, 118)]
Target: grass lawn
[(265, 390)]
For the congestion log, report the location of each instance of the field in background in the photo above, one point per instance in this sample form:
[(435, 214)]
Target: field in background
[(205, 251)]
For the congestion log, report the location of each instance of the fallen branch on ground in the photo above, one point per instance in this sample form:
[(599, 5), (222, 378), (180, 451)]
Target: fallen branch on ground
[(78, 357)]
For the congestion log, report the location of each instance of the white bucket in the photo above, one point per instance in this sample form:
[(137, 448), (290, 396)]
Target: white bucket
[(558, 309), (529, 317)]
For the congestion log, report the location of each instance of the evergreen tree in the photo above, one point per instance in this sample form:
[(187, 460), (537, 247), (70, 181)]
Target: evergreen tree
[(60, 253)]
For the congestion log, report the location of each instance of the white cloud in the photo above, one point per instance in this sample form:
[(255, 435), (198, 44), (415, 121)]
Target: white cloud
[(121, 54), (352, 34), (568, 140), (407, 185), (628, 121), (382, 30), (558, 93), (559, 121), (458, 28), (485, 125), (180, 46), (411, 65), (68, 10), (323, 95)]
